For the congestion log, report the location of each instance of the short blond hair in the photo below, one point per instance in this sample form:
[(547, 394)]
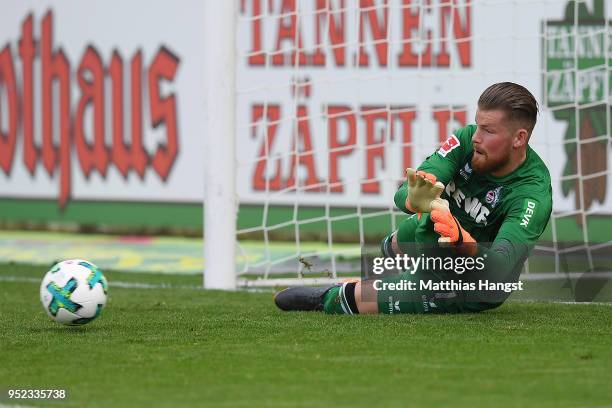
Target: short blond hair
[(519, 104)]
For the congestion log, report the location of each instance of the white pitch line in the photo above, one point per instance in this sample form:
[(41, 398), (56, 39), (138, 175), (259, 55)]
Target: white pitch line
[(129, 285), (563, 275), (561, 302), (117, 284)]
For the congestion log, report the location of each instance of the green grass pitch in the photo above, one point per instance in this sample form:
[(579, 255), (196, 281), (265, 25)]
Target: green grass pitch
[(184, 346)]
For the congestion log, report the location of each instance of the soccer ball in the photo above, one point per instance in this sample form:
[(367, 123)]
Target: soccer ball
[(74, 292)]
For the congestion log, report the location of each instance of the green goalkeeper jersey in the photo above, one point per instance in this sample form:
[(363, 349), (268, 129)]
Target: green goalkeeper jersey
[(509, 212)]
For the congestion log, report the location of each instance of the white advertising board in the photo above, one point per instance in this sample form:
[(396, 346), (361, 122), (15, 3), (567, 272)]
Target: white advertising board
[(103, 100)]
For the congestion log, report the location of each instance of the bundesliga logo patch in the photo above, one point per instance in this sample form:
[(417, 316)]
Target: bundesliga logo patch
[(448, 146)]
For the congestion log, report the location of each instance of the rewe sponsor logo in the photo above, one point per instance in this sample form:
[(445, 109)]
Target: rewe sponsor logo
[(78, 127), (471, 205)]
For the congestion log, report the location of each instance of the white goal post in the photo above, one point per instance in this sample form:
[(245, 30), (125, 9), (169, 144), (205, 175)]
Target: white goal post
[(219, 114), (314, 108)]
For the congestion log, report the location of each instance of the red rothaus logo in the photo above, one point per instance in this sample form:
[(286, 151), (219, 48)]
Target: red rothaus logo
[(65, 121)]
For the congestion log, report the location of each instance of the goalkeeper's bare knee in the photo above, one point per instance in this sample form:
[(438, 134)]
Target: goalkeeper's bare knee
[(365, 297)]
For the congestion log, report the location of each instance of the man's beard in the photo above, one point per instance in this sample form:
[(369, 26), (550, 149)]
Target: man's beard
[(483, 164)]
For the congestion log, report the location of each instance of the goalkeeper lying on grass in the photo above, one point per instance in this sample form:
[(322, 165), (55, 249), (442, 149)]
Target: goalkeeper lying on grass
[(485, 192)]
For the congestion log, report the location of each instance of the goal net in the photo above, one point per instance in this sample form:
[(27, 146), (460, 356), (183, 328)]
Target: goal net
[(325, 103)]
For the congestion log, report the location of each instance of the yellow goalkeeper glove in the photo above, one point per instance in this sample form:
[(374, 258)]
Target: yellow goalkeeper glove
[(423, 188)]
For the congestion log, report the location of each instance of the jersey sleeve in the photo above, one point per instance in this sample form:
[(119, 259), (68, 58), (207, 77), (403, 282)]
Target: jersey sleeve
[(526, 220), (521, 229), (443, 163)]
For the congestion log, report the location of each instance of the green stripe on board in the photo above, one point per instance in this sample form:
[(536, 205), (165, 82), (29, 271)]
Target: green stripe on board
[(103, 212), (187, 217)]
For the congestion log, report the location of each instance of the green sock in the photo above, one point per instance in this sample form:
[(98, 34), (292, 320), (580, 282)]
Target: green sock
[(332, 304), (341, 299)]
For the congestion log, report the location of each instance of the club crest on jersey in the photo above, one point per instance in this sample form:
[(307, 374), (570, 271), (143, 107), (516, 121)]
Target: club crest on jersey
[(451, 143), (492, 196)]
